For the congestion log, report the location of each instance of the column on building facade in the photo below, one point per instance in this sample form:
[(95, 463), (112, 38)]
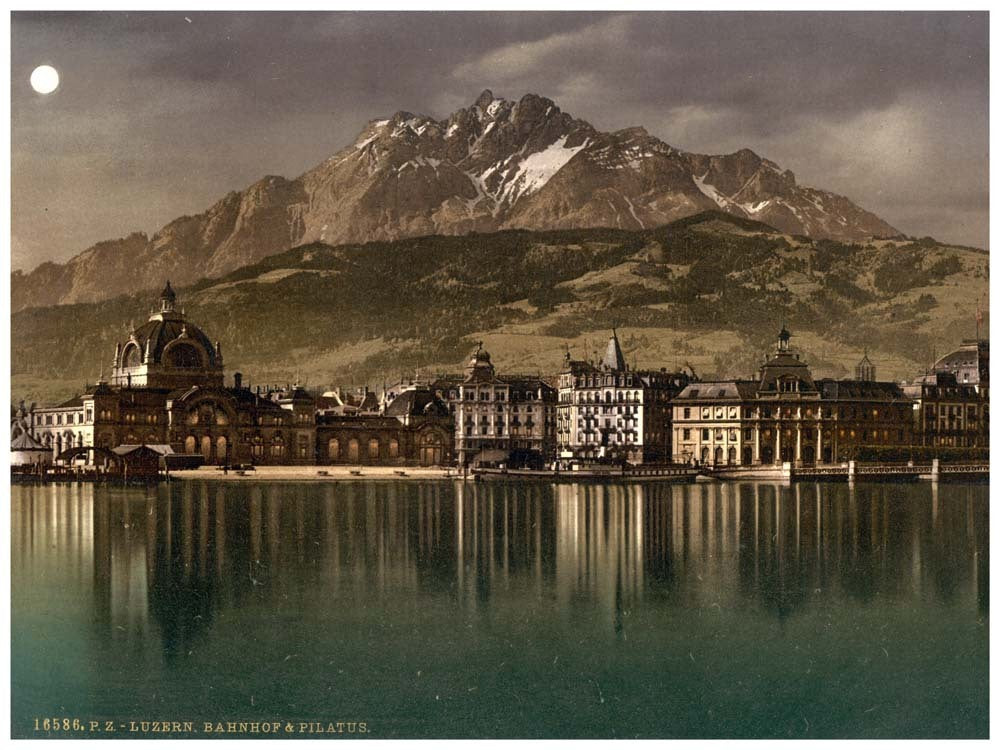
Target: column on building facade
[(756, 443), (819, 437), (777, 441), (798, 440)]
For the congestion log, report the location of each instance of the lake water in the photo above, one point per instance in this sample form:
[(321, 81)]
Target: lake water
[(442, 609)]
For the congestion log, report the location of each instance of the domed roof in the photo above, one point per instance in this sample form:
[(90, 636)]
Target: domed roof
[(480, 355), (160, 331)]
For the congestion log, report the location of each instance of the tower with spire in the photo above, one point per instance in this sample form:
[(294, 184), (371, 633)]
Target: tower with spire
[(865, 369), (614, 358)]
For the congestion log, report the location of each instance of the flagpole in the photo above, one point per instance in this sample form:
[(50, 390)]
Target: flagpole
[(979, 318)]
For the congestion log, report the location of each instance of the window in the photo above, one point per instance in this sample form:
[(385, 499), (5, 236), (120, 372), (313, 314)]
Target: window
[(704, 435), (687, 434)]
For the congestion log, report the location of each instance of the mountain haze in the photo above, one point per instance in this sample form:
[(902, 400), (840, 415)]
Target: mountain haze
[(494, 165), (710, 291)]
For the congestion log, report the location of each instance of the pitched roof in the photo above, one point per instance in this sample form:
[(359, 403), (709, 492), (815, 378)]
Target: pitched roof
[(24, 441), (416, 403), (614, 359), (162, 448), (783, 366), (861, 390), (720, 390)]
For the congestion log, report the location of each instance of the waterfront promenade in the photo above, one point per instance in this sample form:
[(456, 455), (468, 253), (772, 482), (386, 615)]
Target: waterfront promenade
[(317, 473)]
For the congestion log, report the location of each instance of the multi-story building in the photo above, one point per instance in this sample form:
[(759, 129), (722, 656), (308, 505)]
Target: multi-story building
[(608, 412), (787, 416), (952, 402), (167, 388), (508, 420)]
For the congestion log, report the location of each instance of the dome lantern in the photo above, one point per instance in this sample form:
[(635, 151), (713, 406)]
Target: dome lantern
[(783, 338), (168, 299)]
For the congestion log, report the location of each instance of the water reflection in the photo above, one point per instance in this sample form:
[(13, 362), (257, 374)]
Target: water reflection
[(170, 559)]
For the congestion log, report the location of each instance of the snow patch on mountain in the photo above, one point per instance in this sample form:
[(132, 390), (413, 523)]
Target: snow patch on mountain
[(755, 208), (537, 169), (720, 200)]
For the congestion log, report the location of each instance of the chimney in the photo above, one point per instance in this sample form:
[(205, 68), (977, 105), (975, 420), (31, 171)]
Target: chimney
[(238, 380)]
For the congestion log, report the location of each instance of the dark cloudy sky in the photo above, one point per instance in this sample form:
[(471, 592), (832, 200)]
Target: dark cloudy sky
[(159, 115)]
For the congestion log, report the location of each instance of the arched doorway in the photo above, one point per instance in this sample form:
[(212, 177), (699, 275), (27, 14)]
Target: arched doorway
[(333, 449), (718, 454), (277, 448), (747, 455), (808, 454), (732, 455), (190, 444), (704, 455), (222, 449), (431, 449), (352, 450), (767, 455), (393, 448), (206, 447), (374, 449)]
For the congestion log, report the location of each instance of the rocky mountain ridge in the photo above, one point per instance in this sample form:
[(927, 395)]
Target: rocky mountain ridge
[(497, 164)]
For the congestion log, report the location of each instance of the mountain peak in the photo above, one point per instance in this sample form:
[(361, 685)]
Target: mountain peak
[(484, 99), (499, 164)]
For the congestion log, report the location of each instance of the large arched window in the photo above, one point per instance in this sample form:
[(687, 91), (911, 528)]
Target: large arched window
[(131, 357)]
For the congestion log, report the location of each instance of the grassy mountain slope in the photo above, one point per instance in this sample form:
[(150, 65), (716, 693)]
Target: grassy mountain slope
[(710, 291)]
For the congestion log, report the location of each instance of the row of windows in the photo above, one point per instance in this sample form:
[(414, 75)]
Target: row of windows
[(333, 448), (142, 418), (788, 412), (499, 395), (60, 418), (498, 409), (808, 434), (951, 410), (627, 409)]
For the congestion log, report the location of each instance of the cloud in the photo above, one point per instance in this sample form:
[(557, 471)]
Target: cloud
[(516, 61), (158, 117)]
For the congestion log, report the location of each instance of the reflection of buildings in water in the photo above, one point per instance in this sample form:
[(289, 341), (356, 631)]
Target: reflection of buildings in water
[(172, 558), (599, 546), (502, 541)]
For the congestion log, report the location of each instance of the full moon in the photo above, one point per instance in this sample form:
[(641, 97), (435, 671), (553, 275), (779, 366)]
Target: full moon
[(45, 79)]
